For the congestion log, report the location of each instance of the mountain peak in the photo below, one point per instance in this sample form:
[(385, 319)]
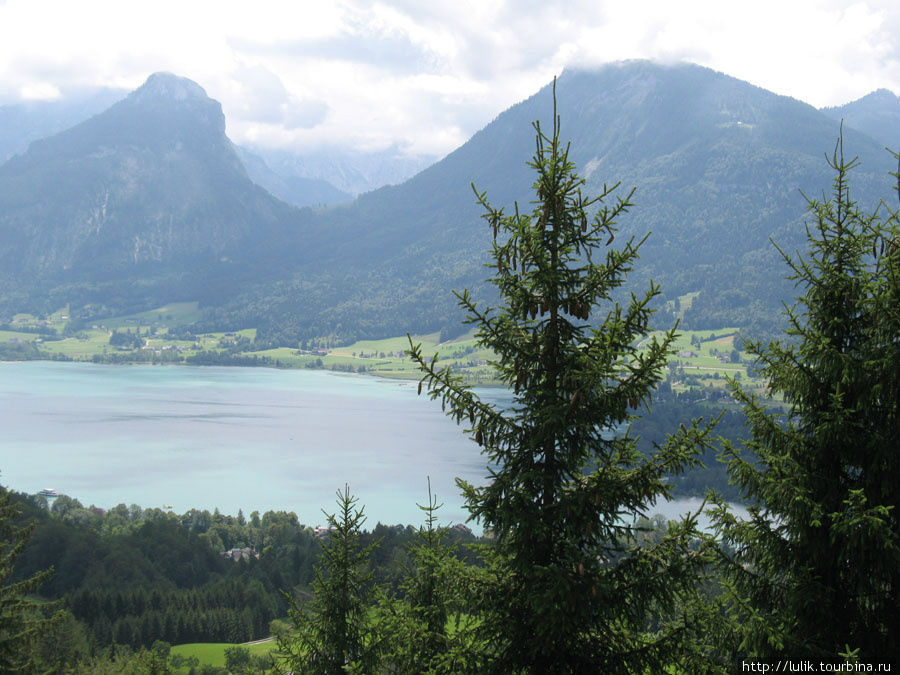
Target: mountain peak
[(884, 93), (876, 114), (882, 96), (168, 86), (878, 97), (168, 103)]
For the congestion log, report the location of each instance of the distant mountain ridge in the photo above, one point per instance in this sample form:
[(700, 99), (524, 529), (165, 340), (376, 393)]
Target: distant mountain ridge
[(149, 202), (291, 188), (876, 114), (351, 171), (720, 167), (26, 122), (301, 178)]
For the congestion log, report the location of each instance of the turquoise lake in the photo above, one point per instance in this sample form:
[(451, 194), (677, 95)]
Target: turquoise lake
[(230, 438), (234, 438)]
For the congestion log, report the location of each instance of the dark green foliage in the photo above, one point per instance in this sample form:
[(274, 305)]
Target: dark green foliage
[(21, 624), (178, 661), (232, 610), (46, 332), (19, 351), (425, 627), (157, 552), (121, 660), (653, 427), (63, 645), (817, 568), (332, 630), (568, 588), (136, 575), (212, 358), (237, 660), (126, 339), (132, 577)]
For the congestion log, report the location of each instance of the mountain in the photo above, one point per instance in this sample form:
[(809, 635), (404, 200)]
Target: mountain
[(351, 171), (145, 200), (301, 179), (876, 114), (290, 187), (148, 203), (720, 168), (23, 123)]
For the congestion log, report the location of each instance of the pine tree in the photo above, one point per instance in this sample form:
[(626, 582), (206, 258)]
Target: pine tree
[(20, 622), (569, 592), (816, 569), (426, 628), (332, 632)]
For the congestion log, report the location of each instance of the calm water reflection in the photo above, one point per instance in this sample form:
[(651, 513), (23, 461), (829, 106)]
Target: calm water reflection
[(232, 438)]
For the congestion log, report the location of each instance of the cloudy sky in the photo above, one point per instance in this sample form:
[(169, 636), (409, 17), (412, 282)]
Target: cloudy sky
[(426, 74)]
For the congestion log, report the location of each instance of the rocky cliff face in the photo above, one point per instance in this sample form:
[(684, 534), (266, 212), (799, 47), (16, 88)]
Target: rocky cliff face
[(150, 187)]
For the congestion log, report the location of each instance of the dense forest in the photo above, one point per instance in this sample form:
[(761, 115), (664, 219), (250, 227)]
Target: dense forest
[(133, 577)]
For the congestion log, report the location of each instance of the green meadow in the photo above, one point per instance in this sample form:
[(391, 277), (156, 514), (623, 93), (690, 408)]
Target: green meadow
[(213, 653), (387, 358), (703, 359)]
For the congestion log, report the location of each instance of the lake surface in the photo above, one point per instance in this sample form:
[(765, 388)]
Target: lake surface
[(234, 438)]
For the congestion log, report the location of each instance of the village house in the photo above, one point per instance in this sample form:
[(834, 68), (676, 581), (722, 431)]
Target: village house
[(240, 553)]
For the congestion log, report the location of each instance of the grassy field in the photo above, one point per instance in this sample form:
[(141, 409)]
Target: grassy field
[(705, 358), (213, 653), (698, 360), (387, 358), (170, 316), (683, 303), (7, 335), (153, 326)]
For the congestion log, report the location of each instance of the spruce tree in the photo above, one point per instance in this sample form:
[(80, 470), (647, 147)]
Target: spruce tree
[(426, 628), (816, 568), (21, 622), (569, 591), (332, 633)]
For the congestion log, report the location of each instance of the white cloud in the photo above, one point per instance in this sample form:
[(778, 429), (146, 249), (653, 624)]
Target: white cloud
[(258, 94), (375, 73), (39, 91)]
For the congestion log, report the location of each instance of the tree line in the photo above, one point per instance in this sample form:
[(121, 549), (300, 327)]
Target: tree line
[(131, 577)]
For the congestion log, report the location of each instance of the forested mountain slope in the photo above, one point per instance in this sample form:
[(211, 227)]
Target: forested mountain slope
[(876, 114), (719, 166), (28, 121), (147, 203), (143, 202)]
